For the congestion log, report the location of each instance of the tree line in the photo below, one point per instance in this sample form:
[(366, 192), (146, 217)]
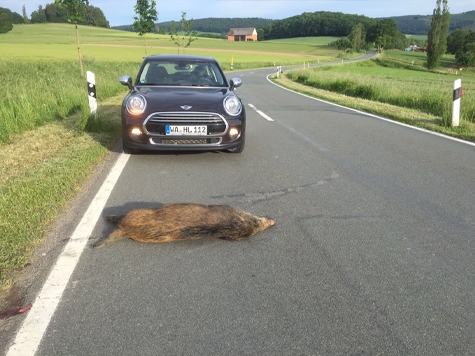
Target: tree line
[(90, 15), (53, 13), (320, 23), (359, 33), (421, 24), (213, 27), (356, 32)]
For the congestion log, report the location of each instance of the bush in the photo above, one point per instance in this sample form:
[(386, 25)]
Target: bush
[(465, 59), (6, 23)]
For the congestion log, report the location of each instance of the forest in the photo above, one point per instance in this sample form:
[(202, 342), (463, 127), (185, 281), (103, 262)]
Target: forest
[(93, 16), (319, 23), (218, 26), (420, 25)]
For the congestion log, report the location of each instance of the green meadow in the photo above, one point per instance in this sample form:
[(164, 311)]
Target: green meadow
[(58, 41)]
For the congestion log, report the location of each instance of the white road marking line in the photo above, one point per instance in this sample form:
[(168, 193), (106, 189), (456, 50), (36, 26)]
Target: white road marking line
[(34, 326), (301, 135), (261, 113)]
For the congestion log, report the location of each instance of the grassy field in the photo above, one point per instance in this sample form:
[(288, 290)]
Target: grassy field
[(58, 41), (49, 146)]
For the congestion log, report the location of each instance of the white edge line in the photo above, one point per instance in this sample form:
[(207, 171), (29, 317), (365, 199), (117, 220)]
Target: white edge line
[(31, 332), (376, 116), (268, 118), (264, 115)]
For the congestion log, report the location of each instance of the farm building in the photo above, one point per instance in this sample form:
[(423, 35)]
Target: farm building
[(242, 34)]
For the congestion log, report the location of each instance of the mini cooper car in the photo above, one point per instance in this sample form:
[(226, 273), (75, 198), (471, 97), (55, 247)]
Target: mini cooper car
[(182, 102)]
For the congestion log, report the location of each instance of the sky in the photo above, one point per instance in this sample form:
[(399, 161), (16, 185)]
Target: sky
[(121, 12)]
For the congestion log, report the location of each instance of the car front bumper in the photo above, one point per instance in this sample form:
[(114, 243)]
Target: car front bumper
[(153, 133)]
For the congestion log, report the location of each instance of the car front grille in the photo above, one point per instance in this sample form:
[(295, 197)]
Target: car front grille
[(179, 141), (155, 125)]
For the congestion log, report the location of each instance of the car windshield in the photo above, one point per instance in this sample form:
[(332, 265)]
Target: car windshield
[(181, 73)]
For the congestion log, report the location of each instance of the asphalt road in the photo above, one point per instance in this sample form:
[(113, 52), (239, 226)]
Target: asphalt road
[(373, 250)]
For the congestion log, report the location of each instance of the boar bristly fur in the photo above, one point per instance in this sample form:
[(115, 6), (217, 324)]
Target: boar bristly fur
[(184, 221)]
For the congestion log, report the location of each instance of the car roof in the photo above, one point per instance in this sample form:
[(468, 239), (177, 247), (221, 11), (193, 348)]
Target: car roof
[(186, 57)]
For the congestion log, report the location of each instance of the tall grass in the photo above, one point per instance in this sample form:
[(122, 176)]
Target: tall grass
[(41, 91), (39, 174), (386, 82)]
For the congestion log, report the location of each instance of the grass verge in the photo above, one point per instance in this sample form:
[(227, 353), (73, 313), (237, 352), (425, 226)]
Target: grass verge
[(40, 171), (413, 117)]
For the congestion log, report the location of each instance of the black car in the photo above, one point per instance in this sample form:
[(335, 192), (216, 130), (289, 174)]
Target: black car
[(182, 102)]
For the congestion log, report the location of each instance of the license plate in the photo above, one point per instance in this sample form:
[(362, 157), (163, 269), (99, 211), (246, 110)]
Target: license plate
[(186, 130)]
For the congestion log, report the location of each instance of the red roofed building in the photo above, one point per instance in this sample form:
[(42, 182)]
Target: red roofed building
[(242, 34)]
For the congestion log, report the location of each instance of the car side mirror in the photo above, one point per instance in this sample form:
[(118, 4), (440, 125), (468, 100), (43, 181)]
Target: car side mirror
[(235, 83), (127, 81)]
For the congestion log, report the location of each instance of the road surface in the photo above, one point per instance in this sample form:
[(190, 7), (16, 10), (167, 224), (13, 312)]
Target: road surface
[(373, 250)]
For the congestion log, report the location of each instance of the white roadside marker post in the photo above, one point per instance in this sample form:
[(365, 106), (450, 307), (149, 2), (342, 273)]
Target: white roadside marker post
[(458, 92), (91, 90)]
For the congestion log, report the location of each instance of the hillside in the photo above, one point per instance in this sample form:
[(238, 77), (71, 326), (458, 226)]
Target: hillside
[(212, 25), (410, 24), (420, 25)]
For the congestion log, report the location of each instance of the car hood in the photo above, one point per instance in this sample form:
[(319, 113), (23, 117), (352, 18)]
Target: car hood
[(170, 98)]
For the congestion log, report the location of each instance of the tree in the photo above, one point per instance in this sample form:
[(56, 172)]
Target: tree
[(261, 34), (56, 14), (38, 16), (6, 24), (456, 39), (74, 8), (25, 16), (342, 43), (187, 34), (437, 37), (95, 17), (145, 19), (357, 37), (383, 42), (465, 56), (384, 34), (15, 18)]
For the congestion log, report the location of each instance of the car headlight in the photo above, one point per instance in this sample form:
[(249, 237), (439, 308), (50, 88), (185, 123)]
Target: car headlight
[(136, 104), (232, 105)]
